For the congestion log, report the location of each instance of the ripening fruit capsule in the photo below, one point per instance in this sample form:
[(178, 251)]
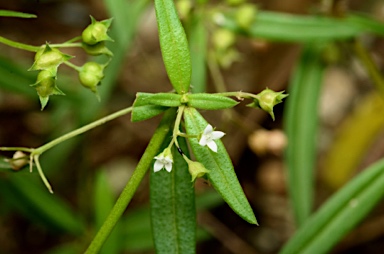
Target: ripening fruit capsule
[(45, 83), (96, 32), (91, 74), (267, 99), (48, 58)]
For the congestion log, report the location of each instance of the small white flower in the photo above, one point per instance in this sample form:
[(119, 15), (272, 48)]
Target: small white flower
[(208, 137), (163, 160)]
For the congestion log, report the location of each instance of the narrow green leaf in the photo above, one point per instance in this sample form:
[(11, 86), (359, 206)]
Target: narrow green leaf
[(221, 175), (210, 101), (296, 28), (103, 201), (174, 45), (142, 110), (367, 23), (35, 202), (301, 120), (164, 99), (340, 214), (173, 213), (6, 13)]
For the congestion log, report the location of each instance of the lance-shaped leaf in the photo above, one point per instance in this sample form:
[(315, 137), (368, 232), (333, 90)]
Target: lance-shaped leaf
[(174, 45), (340, 214), (164, 99), (221, 173), (6, 13), (210, 101), (296, 28), (173, 213), (143, 110)]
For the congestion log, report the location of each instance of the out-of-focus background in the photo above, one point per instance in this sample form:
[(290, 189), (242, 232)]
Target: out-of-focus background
[(254, 142)]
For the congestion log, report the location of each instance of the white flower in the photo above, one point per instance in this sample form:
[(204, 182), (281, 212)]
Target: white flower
[(208, 137), (163, 160)]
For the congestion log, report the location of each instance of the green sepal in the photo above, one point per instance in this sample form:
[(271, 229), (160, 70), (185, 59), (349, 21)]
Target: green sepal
[(221, 172), (172, 201), (174, 46), (142, 110), (210, 101)]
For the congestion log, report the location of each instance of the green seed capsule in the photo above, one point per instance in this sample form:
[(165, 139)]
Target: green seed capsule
[(47, 57), (97, 49), (91, 75), (96, 31)]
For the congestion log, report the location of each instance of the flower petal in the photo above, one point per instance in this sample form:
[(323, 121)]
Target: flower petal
[(208, 130), (168, 167), (158, 166), (212, 145), (203, 140), (217, 134)]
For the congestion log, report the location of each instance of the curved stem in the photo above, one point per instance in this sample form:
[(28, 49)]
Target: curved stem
[(81, 130), (130, 189), (18, 45), (75, 67), (176, 128), (369, 65)]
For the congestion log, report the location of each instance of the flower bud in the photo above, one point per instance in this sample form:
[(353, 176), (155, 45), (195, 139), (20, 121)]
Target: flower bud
[(18, 161), (90, 75), (196, 169), (96, 31), (267, 99), (245, 15), (46, 86), (223, 38), (184, 8), (48, 58), (97, 49)]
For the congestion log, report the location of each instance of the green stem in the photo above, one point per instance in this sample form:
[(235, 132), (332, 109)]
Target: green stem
[(18, 45), (66, 45), (369, 65), (176, 128), (81, 130), (130, 189), (77, 38), (238, 95), (75, 67), (218, 79)]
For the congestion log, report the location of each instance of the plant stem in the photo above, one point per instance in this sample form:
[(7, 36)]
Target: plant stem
[(18, 45), (176, 128), (75, 67), (66, 45), (81, 130), (146, 160), (369, 65)]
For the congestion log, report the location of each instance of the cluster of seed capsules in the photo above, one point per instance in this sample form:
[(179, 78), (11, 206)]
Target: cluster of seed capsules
[(48, 58)]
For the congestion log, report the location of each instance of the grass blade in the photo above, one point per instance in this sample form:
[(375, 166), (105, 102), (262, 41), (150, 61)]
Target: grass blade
[(301, 127)]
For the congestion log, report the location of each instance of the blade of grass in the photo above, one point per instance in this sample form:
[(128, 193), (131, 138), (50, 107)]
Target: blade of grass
[(301, 127), (340, 214)]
